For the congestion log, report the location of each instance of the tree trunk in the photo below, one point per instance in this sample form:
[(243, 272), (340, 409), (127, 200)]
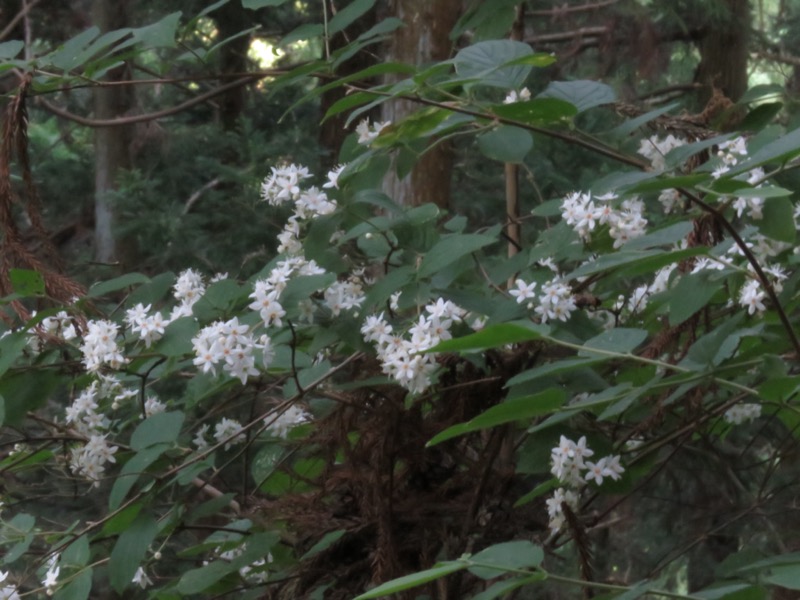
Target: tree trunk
[(232, 19), (424, 39), (112, 144), (723, 53)]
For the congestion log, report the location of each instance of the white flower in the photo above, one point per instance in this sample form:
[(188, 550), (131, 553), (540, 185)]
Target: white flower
[(141, 579), (281, 425), (7, 592), (333, 177), (100, 347), (153, 406), (751, 297), (367, 133), (523, 291), (742, 412), (523, 95), (229, 428)]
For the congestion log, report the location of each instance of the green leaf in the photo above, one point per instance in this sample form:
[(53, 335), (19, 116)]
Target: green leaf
[(345, 16), (786, 576), (497, 559), (782, 149), (778, 220), (256, 4), (177, 340), (303, 287), (130, 550), (665, 236), (665, 183), (537, 111), (118, 283), (554, 368), (518, 409), (161, 428), (485, 61), (450, 248), (266, 461), (766, 191), (501, 588), (732, 591), (620, 340), (632, 125), (198, 580), (710, 350), (306, 31), (11, 347), (692, 292), (77, 553), (78, 587), (539, 490), (131, 471), (583, 94), (493, 336), (160, 34), (413, 580), (326, 542), (506, 143), (10, 49), (26, 282), (779, 389), (644, 261), (67, 56)]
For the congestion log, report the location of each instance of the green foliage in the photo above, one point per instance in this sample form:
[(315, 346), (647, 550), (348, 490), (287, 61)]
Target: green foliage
[(378, 389)]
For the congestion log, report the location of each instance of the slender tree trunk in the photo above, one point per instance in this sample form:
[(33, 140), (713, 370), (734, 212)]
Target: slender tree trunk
[(424, 39), (232, 19), (723, 53), (112, 144)]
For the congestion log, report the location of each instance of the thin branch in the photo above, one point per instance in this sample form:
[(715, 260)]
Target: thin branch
[(149, 116), (560, 11), (768, 287), (198, 193), (17, 18), (568, 36), (786, 59)]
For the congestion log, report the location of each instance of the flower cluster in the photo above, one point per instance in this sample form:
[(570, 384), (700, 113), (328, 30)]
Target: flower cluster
[(50, 579), (149, 328), (188, 289), (281, 425), (344, 295), (89, 460), (729, 153), (230, 431), (100, 346), (401, 358), (583, 214), (656, 149), (513, 96), (742, 413), (556, 300), (571, 469), (230, 344)]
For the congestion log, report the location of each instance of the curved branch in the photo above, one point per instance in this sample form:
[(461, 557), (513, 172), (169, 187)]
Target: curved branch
[(88, 122)]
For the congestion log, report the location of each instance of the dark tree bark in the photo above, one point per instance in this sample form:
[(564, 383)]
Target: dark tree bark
[(724, 53), (424, 39), (231, 19), (112, 144)]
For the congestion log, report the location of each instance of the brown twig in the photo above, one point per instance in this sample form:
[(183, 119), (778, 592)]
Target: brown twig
[(160, 114), (26, 8)]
